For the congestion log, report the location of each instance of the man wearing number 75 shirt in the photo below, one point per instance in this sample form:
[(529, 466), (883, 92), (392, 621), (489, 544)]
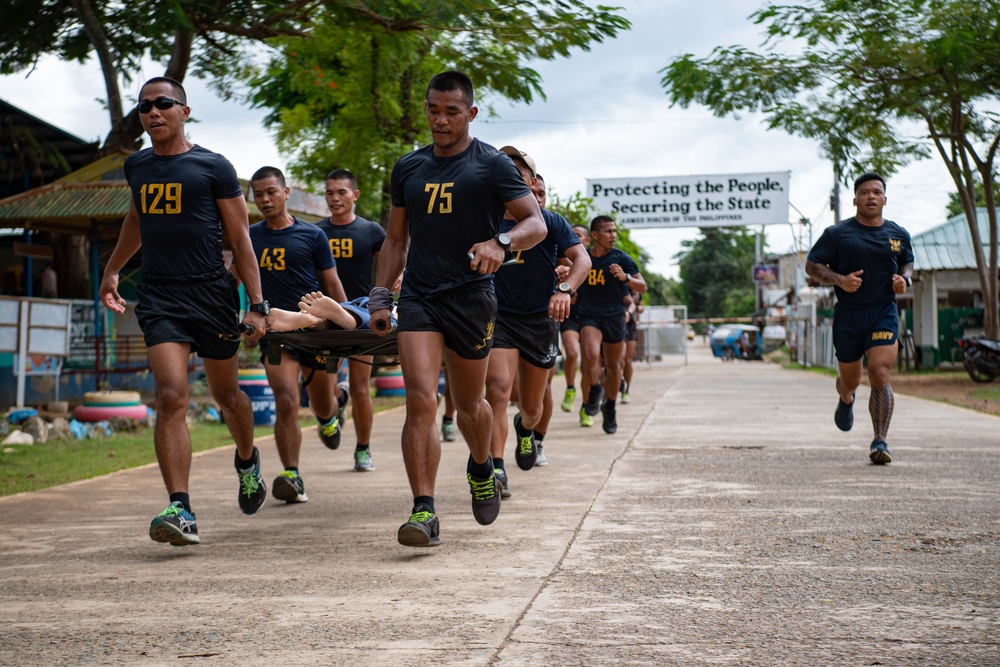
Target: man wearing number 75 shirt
[(183, 197)]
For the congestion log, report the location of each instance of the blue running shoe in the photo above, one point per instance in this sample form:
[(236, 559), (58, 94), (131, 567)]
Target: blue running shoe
[(175, 525), (844, 416), (879, 453), (253, 491), (422, 529)]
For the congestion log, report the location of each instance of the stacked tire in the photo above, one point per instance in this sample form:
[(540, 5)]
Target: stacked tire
[(102, 405)]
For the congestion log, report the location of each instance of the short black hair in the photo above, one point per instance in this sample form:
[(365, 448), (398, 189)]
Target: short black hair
[(268, 172), (173, 83), (539, 177), (452, 80), (868, 176), (600, 219), (343, 175)]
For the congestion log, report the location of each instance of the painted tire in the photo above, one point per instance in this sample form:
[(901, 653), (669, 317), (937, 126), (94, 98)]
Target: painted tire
[(90, 413), (112, 399), (389, 382), (252, 374), (390, 392)]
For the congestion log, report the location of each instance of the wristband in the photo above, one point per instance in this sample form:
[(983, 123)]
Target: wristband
[(380, 298)]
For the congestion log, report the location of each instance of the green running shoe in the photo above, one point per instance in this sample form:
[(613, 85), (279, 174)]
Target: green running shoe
[(363, 460), (585, 419), (253, 491), (568, 398)]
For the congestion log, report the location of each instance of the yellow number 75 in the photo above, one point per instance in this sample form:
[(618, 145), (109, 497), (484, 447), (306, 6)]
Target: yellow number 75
[(439, 190)]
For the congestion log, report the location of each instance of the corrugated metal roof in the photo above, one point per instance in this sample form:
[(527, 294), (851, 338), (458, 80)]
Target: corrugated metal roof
[(66, 206), (949, 246)]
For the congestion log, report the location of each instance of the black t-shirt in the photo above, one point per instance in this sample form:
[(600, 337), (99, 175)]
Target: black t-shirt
[(179, 222), (601, 294), (452, 203), (849, 246), (527, 286), (354, 246), (288, 260)]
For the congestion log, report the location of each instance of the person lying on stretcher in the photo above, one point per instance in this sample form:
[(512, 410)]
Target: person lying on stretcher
[(319, 312)]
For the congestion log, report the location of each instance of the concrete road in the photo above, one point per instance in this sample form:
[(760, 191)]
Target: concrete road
[(728, 522)]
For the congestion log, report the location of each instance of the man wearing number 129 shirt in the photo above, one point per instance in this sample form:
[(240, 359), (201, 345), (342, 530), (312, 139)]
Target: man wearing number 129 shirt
[(183, 197)]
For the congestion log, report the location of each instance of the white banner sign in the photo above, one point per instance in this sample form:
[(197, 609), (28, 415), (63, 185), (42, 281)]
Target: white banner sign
[(731, 200)]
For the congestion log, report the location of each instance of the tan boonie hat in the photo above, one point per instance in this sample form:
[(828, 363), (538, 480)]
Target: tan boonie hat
[(520, 155)]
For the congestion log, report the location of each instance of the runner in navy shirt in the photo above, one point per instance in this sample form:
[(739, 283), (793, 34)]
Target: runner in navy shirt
[(868, 260), (355, 243), (530, 304), (290, 254), (447, 203), (612, 276)]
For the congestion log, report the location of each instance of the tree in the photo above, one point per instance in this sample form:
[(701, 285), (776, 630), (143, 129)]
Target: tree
[(715, 271), (351, 95), (860, 75)]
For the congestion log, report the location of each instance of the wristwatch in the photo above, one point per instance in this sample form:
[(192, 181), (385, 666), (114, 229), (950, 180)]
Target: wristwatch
[(908, 281), (504, 241), (262, 308), (565, 288)]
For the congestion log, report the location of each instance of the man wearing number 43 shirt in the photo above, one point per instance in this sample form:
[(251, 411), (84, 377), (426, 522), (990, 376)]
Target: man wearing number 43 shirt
[(355, 244), (183, 196)]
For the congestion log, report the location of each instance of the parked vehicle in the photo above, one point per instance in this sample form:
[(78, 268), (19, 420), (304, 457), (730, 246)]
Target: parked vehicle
[(981, 358), (737, 341)]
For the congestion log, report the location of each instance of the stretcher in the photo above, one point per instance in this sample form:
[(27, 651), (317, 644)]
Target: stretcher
[(333, 344)]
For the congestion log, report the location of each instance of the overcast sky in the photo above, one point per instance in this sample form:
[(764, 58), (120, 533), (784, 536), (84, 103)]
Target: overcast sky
[(605, 116)]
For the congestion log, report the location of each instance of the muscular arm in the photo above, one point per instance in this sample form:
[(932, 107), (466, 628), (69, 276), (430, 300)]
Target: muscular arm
[(237, 226), (129, 242), (824, 275), (581, 265), (392, 257)]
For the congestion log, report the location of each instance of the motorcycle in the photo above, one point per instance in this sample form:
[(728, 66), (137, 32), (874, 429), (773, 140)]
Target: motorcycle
[(981, 358)]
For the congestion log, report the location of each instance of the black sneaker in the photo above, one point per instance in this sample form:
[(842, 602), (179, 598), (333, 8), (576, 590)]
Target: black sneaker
[(422, 529), (593, 404), (175, 525), (253, 491), (527, 452), (485, 497), (329, 432), (501, 476), (288, 486), (880, 452), (843, 417), (610, 417)]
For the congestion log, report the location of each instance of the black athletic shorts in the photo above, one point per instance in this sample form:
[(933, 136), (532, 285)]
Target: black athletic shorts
[(535, 336), (856, 329), (202, 312), (612, 328), (570, 324), (465, 317), (316, 362), (631, 330)]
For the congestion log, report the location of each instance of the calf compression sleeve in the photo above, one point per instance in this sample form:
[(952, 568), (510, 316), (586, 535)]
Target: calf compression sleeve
[(880, 405)]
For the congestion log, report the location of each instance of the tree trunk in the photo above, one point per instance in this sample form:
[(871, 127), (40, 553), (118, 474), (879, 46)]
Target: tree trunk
[(71, 260)]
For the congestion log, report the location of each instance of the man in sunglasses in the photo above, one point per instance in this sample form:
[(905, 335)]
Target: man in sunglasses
[(183, 198)]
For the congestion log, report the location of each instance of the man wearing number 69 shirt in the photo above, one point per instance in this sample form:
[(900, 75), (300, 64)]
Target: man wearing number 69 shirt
[(183, 197), (355, 244)]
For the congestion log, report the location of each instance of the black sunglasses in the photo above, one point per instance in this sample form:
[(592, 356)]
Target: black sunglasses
[(161, 103)]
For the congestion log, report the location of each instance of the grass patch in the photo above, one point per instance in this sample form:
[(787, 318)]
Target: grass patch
[(986, 393), (33, 467)]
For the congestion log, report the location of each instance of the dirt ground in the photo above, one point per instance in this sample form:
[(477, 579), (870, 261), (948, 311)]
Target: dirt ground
[(954, 387)]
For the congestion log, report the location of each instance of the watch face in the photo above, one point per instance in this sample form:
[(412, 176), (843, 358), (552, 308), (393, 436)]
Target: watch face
[(503, 239), (564, 287)]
